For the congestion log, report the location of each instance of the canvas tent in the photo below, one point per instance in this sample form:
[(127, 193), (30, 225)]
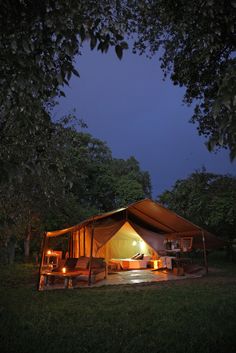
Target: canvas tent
[(143, 223)]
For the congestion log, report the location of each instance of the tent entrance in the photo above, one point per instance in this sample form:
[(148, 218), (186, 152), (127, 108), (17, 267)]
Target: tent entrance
[(124, 245)]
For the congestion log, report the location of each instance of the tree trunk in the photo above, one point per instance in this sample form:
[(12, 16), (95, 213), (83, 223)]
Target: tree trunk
[(11, 248), (27, 243)]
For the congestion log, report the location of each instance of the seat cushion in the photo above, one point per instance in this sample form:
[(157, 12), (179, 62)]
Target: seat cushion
[(70, 263), (135, 256), (82, 263), (98, 262), (139, 257)]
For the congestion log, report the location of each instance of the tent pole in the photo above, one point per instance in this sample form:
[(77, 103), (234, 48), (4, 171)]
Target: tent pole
[(84, 240), (79, 242), (91, 256), (70, 247), (43, 244), (72, 244), (204, 251)]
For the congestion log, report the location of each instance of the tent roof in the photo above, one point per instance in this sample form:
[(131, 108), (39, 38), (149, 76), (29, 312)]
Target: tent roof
[(151, 214)]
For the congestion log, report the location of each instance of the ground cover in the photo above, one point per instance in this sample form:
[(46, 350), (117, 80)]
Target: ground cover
[(178, 316)]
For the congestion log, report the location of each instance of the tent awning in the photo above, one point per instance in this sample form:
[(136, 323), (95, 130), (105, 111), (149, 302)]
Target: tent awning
[(145, 214)]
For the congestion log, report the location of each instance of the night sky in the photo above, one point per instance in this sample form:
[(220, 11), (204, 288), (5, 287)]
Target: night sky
[(127, 104)]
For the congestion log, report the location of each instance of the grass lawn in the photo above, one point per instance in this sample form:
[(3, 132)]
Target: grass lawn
[(179, 316)]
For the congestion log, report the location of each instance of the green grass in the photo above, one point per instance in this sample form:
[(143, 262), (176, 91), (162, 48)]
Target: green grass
[(183, 316)]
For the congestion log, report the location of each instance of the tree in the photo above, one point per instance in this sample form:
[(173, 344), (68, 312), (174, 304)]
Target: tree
[(39, 42), (35, 179), (207, 199), (131, 183), (198, 42), (60, 177)]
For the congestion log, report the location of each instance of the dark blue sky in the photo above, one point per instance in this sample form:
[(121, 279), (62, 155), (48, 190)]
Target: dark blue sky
[(127, 104)]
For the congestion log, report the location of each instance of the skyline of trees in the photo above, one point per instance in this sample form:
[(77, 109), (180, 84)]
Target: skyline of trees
[(64, 177), (206, 199)]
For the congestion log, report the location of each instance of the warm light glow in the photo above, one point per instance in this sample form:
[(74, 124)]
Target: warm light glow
[(156, 264), (134, 243), (63, 269), (49, 252), (142, 245)]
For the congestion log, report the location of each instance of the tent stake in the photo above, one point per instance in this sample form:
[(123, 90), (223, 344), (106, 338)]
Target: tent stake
[(204, 251)]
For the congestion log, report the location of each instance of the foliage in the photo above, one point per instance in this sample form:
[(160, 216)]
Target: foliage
[(39, 41), (198, 42), (131, 183), (60, 176), (206, 199)]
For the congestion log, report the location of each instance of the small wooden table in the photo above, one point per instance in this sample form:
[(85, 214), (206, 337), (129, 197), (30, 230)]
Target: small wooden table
[(68, 277)]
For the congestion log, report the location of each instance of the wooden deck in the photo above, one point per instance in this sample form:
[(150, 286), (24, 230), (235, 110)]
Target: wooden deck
[(129, 277)]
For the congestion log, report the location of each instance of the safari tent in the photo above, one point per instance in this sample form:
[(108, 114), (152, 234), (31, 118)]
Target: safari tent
[(144, 227)]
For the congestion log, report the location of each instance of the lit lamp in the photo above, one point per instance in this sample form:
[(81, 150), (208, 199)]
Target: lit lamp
[(156, 264), (49, 252), (63, 269)]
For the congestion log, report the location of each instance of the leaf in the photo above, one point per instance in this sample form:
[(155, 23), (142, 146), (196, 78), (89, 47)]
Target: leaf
[(124, 45), (233, 3), (14, 45), (26, 47), (100, 46), (82, 33), (119, 36), (96, 23), (75, 72), (93, 42), (210, 2), (59, 78), (62, 93), (119, 51)]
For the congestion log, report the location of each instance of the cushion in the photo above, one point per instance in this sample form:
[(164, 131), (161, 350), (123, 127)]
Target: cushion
[(135, 256), (71, 263), (146, 257), (82, 263), (139, 257), (98, 262)]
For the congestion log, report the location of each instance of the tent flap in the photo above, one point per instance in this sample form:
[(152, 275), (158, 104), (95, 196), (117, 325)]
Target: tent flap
[(104, 233), (154, 240)]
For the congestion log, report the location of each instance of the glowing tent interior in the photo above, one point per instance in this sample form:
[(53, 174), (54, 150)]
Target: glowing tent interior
[(144, 227)]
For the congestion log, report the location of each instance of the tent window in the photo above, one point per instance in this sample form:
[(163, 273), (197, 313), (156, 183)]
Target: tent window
[(186, 244)]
